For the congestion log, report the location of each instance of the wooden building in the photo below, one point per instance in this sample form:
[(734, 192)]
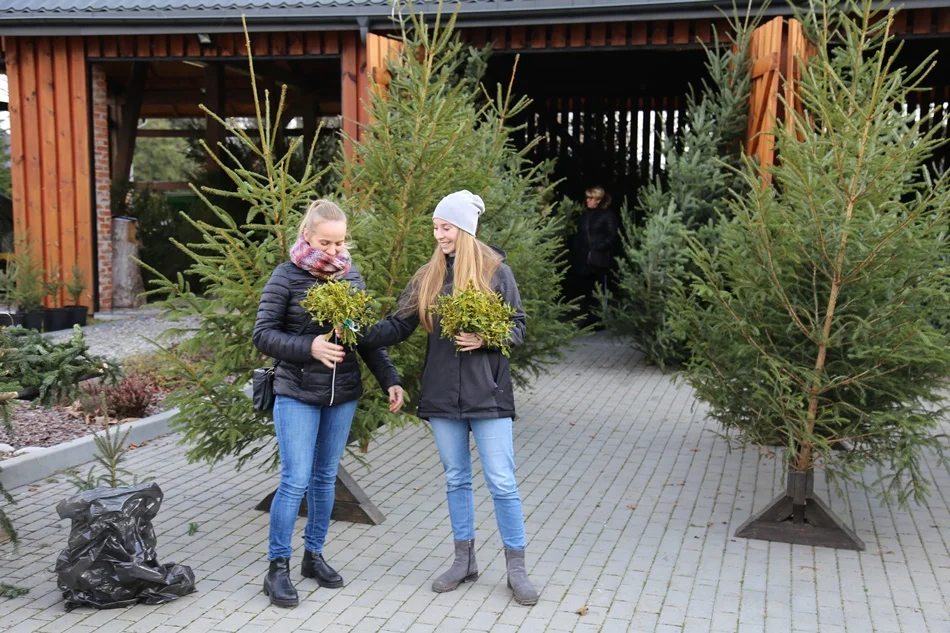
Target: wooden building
[(82, 73)]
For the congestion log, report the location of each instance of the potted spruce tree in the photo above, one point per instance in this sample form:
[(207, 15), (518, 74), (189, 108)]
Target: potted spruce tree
[(821, 321), (75, 288), (29, 289), (55, 317), (8, 311)]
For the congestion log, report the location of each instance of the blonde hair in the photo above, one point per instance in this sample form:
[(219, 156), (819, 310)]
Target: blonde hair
[(475, 262), (320, 211), (599, 191)]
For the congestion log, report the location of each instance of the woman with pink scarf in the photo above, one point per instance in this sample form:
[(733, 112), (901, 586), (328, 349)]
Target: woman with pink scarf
[(317, 385)]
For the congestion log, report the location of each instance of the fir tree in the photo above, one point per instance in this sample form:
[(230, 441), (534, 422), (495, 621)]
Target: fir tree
[(818, 327), (435, 131), (700, 170)]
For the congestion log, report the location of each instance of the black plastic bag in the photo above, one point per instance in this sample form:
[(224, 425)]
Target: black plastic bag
[(110, 560)]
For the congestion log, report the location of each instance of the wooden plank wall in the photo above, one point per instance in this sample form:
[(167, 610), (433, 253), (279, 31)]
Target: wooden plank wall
[(363, 67), (263, 45), (50, 153), (766, 52)]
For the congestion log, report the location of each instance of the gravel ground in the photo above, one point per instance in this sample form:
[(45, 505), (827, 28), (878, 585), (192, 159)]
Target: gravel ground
[(122, 335)]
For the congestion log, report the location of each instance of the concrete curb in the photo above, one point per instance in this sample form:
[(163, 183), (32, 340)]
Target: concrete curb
[(36, 465)]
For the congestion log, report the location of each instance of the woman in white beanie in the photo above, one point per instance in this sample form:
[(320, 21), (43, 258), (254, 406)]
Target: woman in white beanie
[(469, 391)]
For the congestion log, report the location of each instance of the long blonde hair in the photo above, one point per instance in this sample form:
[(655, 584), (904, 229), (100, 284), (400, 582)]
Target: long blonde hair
[(320, 211), (475, 262)]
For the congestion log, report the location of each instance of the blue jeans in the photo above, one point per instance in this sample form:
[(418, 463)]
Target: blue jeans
[(311, 440), (493, 438)]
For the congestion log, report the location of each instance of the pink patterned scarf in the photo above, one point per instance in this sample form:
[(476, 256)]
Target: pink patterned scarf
[(319, 264)]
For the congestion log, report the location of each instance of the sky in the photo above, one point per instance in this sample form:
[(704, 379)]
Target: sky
[(4, 116)]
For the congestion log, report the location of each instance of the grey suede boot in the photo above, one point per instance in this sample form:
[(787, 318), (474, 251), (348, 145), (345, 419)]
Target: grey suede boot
[(518, 582), (463, 568)]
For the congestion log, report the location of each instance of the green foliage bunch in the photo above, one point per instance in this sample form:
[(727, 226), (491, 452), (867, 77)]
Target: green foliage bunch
[(684, 203), (435, 131), (475, 312), (339, 303), (816, 323), (29, 279), (77, 284)]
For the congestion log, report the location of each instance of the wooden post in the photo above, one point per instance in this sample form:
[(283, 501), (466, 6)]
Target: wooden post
[(129, 123)]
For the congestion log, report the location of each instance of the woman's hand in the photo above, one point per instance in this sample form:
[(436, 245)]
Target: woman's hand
[(468, 342), (326, 352), (395, 398)]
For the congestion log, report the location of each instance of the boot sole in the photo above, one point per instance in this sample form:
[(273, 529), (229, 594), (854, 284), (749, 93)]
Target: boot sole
[(470, 578), (524, 603), (328, 585), (286, 604)]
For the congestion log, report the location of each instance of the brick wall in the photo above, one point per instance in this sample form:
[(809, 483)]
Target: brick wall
[(100, 130)]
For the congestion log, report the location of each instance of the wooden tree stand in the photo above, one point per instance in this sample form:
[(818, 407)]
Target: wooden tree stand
[(798, 516), (351, 503)]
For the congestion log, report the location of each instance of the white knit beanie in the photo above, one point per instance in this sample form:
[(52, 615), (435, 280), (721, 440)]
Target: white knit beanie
[(462, 209)]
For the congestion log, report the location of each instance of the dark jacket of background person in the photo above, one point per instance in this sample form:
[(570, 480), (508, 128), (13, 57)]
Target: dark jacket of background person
[(298, 375), (596, 239), (458, 385)]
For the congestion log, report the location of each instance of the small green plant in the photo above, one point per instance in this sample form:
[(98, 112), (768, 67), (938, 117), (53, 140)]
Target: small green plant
[(52, 285), (192, 529), (339, 303), (475, 312), (29, 280), (12, 591), (8, 284), (77, 285), (111, 448)]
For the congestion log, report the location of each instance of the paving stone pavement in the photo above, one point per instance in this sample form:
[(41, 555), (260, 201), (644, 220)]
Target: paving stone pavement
[(631, 501)]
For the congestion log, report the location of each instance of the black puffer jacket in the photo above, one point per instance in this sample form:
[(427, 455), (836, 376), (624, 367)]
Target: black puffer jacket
[(459, 385), (277, 334)]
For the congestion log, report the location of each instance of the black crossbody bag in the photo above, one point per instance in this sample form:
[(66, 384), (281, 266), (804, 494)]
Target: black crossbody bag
[(262, 384)]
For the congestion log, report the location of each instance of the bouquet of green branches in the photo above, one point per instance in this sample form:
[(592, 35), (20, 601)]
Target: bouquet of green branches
[(339, 303), (475, 312)]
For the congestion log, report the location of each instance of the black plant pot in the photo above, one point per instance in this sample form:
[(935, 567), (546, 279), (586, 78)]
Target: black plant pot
[(56, 319), (77, 315), (32, 320), (11, 318)]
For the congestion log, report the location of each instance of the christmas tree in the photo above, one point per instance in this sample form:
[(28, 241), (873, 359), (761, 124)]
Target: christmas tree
[(817, 328), (700, 170), (435, 131)]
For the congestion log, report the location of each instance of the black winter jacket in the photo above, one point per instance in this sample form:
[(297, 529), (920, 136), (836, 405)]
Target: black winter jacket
[(596, 240), (461, 385), (277, 333)]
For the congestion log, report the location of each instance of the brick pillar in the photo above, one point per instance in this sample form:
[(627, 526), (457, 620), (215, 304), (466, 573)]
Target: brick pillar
[(100, 130)]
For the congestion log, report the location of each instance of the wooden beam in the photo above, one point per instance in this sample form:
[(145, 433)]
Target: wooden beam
[(350, 90), (128, 126), (146, 133)]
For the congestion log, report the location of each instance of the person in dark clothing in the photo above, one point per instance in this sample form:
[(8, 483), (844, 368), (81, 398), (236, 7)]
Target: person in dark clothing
[(595, 245), (469, 391), (317, 384)]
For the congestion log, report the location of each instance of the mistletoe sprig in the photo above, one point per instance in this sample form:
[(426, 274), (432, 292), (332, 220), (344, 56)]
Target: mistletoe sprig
[(339, 303), (475, 312)]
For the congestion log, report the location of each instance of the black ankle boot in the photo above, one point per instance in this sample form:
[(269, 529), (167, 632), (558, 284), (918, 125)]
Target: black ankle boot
[(277, 584), (314, 566)]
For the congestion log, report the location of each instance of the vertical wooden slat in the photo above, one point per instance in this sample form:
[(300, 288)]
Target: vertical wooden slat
[(704, 31), (18, 184), (176, 45), (638, 35), (79, 111), (295, 43), (517, 37), (922, 21), (312, 43), (350, 90), (32, 147), (681, 32), (499, 37), (143, 46), (260, 44), (658, 34), (160, 45), (539, 36), (598, 35), (899, 26), (110, 46), (278, 44), (943, 20), (126, 46), (66, 184), (331, 43), (47, 117), (578, 35), (192, 45), (95, 45), (478, 37), (225, 44), (558, 36), (618, 34)]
